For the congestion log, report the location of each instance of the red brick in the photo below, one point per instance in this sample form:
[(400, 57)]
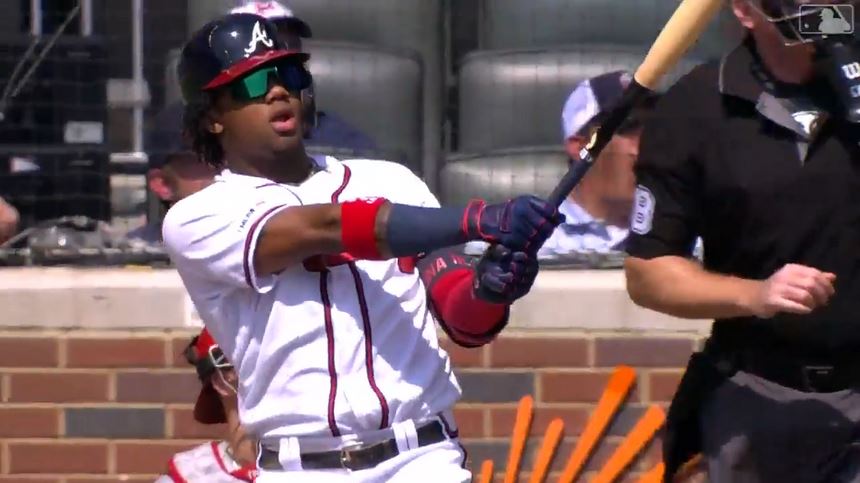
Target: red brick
[(29, 352), (461, 356), (29, 422), (598, 459), (29, 479), (662, 385), (146, 458), (641, 462), (58, 457), (642, 352), (539, 352), (652, 454), (177, 349), (58, 387), (186, 427), (116, 352), (560, 457), (575, 386), (166, 387), (470, 422), (574, 420)]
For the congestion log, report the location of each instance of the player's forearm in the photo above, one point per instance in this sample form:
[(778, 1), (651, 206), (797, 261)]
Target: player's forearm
[(296, 233), (379, 230), (682, 288), (366, 230), (468, 321)]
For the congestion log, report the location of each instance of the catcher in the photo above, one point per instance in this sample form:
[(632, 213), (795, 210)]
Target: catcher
[(231, 459)]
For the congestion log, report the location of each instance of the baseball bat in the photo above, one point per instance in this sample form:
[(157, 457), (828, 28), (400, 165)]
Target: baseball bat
[(688, 469), (522, 424), (635, 441), (654, 475), (486, 472), (547, 451), (616, 390), (680, 32)]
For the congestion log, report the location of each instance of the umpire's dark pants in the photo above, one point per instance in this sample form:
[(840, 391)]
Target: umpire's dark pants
[(755, 430)]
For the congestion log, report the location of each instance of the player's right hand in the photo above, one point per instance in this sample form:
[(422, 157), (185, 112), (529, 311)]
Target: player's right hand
[(521, 224), (795, 289), (503, 276)]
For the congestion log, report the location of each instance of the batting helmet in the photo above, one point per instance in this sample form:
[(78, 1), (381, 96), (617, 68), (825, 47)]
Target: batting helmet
[(227, 48), (292, 30)]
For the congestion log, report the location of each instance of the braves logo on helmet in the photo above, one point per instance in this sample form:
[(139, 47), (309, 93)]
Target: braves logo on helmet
[(226, 49), (258, 35)]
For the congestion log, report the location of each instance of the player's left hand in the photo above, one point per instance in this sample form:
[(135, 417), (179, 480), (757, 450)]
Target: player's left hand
[(503, 276), (523, 223)]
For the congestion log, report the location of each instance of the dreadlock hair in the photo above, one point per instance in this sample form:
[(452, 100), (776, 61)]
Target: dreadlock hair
[(194, 122)]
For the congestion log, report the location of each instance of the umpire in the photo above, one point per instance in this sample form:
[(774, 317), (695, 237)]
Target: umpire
[(754, 154)]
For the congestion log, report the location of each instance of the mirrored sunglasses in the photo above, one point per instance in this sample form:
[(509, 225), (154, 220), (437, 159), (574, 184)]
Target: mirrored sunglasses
[(292, 76)]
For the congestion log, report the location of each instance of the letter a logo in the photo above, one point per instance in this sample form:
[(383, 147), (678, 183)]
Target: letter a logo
[(258, 35)]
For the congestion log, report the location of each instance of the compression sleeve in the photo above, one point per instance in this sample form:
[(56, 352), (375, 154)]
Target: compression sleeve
[(414, 229), (410, 230)]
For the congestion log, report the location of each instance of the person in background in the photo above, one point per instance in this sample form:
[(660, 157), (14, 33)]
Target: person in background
[(174, 170), (9, 220), (323, 129), (232, 459), (597, 211)]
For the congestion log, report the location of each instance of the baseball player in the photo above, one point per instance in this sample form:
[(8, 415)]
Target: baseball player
[(233, 459), (304, 269)]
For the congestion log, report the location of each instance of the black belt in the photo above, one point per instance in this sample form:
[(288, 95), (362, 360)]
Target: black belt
[(803, 375), (795, 371), (354, 458)]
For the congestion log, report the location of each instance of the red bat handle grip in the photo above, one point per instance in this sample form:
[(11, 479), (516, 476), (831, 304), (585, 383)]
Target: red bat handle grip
[(634, 93)]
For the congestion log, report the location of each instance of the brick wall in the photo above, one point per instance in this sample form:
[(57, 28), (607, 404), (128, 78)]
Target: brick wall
[(113, 406)]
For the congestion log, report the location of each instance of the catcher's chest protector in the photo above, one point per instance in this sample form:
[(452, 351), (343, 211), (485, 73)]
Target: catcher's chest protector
[(208, 463)]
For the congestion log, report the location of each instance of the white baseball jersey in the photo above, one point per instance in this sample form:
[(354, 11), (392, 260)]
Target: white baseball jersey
[(332, 351)]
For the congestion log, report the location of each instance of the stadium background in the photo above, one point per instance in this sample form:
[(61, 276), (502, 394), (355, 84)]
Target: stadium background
[(468, 93)]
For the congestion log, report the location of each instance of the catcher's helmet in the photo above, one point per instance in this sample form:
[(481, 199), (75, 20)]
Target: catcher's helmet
[(227, 48)]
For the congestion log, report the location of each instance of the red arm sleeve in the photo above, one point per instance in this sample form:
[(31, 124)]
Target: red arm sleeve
[(468, 321)]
